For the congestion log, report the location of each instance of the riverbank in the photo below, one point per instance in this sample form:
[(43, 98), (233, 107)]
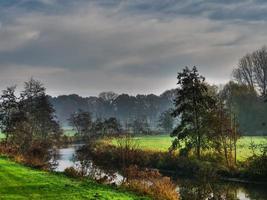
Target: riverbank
[(20, 182)]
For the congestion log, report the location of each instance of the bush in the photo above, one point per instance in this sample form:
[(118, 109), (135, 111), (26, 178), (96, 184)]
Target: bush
[(256, 167), (150, 182), (72, 172)]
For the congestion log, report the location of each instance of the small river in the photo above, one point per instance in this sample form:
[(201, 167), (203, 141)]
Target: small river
[(188, 189)]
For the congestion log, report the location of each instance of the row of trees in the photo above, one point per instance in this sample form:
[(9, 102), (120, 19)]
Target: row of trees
[(85, 126), (88, 129), (210, 117), (124, 107), (28, 120)]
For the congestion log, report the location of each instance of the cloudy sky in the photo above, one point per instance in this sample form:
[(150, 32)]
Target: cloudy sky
[(132, 46)]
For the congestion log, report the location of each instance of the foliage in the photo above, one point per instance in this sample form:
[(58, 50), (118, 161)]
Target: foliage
[(252, 71), (150, 182), (256, 167), (124, 107), (140, 126), (29, 122), (166, 121), (192, 103), (87, 129), (82, 123)]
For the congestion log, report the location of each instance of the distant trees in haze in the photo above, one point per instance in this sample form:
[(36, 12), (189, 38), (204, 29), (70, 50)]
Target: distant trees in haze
[(166, 121), (82, 124), (124, 107), (89, 129)]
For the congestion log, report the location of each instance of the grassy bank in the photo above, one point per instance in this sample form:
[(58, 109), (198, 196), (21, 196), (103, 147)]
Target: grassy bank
[(19, 182), (163, 142)]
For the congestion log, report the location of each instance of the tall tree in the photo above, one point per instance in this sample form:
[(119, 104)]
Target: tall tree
[(8, 107), (191, 104)]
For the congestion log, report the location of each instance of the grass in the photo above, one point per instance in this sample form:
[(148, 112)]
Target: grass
[(163, 142), (69, 132), (2, 136), (20, 182)]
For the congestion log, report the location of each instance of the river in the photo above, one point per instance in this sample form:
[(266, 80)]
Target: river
[(187, 188)]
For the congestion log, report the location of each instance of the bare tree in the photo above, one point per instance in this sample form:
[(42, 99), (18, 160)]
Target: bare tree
[(252, 71), (260, 69), (244, 74)]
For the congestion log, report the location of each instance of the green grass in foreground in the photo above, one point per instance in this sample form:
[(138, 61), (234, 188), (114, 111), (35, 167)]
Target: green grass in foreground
[(19, 182), (163, 142)]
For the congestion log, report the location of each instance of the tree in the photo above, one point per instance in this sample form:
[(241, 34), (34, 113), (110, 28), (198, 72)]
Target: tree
[(108, 96), (252, 71), (8, 106), (81, 122), (260, 66), (112, 126), (192, 103), (29, 121), (244, 73), (223, 131), (38, 110), (166, 121), (140, 126)]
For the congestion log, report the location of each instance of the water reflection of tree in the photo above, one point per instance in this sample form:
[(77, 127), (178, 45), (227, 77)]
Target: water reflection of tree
[(88, 168), (200, 190)]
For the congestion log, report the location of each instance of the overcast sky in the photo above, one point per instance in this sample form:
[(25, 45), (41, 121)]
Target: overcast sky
[(130, 46)]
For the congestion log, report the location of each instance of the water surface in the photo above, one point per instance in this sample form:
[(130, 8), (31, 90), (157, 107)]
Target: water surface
[(188, 189)]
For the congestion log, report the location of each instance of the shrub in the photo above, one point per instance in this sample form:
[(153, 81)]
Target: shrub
[(72, 172), (256, 167), (150, 182)]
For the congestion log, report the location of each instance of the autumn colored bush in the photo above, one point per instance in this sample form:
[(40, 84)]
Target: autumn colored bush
[(150, 182)]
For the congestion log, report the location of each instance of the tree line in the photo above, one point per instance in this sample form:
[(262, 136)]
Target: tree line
[(126, 108), (213, 117)]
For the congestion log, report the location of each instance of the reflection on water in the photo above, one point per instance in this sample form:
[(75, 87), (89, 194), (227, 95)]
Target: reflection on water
[(66, 157), (198, 190), (188, 189)]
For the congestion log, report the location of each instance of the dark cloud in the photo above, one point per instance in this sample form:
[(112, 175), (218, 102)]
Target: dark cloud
[(126, 46)]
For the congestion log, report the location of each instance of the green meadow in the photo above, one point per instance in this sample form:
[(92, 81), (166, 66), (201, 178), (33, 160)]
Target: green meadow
[(20, 182), (2, 136), (163, 142)]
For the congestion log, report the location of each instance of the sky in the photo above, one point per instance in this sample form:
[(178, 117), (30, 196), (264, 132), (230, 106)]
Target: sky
[(126, 46)]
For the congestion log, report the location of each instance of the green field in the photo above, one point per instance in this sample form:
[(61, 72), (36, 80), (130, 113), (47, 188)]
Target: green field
[(2, 136), (19, 182), (163, 142), (69, 132)]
